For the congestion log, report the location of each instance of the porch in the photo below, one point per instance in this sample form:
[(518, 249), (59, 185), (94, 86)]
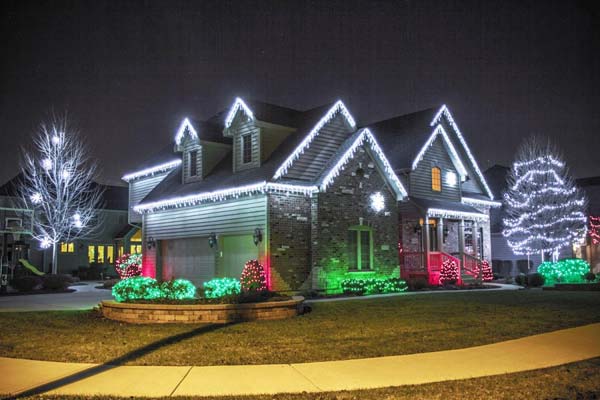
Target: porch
[(428, 241)]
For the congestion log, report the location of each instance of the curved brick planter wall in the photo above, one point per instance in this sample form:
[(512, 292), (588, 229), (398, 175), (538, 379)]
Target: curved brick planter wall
[(200, 313)]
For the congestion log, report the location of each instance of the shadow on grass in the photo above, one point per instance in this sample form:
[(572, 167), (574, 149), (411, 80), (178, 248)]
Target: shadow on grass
[(118, 361)]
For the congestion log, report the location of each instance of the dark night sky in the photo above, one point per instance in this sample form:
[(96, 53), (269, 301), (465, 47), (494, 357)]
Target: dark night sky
[(128, 71)]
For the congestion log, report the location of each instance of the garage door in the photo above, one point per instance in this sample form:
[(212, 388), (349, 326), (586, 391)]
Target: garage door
[(237, 249), (191, 259)]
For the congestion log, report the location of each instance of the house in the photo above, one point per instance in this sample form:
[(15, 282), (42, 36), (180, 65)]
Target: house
[(590, 250), (505, 262), (114, 236), (315, 196)]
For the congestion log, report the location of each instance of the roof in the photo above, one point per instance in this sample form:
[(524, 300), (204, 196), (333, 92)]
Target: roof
[(413, 129), (426, 204), (265, 112)]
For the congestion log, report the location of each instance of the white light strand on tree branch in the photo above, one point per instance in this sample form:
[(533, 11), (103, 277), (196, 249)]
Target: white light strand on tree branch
[(338, 107), (152, 170), (238, 105), (439, 130), (445, 111)]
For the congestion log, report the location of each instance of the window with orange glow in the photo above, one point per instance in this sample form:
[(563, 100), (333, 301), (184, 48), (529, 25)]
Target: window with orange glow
[(436, 179)]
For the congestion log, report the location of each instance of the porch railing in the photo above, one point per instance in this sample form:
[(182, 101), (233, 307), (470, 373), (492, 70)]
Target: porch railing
[(436, 259), (471, 266)]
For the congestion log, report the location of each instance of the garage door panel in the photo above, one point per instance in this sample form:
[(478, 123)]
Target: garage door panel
[(190, 258)]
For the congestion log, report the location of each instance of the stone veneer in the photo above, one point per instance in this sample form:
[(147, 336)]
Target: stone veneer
[(200, 313)]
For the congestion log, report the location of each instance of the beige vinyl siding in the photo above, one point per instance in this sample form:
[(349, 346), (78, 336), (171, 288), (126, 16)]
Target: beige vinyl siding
[(420, 179), (138, 189)]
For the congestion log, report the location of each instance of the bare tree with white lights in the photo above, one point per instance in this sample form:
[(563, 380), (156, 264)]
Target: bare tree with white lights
[(58, 184)]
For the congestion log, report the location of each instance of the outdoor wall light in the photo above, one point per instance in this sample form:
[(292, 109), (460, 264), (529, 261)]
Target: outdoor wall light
[(258, 237), (151, 243), (212, 240)]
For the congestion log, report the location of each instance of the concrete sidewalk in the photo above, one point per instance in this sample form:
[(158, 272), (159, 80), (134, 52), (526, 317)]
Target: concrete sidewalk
[(533, 352)]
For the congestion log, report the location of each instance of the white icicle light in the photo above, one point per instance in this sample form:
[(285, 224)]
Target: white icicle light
[(388, 170), (442, 213), (195, 199), (152, 170), (445, 111), (237, 105), (480, 202), (377, 202), (185, 125), (337, 107), (439, 130)]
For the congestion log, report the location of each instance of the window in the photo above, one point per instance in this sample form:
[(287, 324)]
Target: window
[(120, 251), (193, 155), (360, 248), (436, 179), (110, 254), (135, 249), (100, 253), (67, 247), (246, 149), (91, 253)]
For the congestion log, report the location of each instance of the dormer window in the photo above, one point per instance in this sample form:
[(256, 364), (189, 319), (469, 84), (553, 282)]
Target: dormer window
[(193, 156), (247, 149)]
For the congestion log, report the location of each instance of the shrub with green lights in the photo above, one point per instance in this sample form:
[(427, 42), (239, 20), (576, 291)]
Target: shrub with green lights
[(571, 270), (373, 286), (144, 288), (221, 287)]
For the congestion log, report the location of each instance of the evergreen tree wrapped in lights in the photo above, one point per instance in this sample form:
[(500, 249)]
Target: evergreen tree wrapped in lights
[(449, 272), (486, 271), (544, 208), (253, 277)]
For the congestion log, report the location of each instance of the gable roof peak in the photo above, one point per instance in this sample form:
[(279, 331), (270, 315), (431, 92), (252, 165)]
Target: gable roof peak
[(185, 126)]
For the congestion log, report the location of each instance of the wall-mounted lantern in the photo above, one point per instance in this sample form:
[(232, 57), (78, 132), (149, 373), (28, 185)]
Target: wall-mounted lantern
[(212, 240), (258, 236)]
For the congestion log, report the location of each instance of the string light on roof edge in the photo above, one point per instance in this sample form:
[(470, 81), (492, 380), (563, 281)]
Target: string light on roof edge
[(152, 170), (439, 130), (185, 125), (237, 105), (445, 111)]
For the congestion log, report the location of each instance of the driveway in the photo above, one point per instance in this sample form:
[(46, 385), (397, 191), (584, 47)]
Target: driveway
[(85, 297)]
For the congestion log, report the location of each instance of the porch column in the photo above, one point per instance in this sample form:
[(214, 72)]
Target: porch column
[(426, 240), (440, 234), (475, 235), (461, 237)]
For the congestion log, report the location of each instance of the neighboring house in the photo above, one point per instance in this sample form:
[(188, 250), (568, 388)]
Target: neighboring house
[(505, 262), (114, 236), (314, 196), (591, 249)]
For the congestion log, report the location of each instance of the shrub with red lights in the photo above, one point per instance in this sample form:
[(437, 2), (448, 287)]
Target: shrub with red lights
[(449, 272), (595, 229), (486, 271), (129, 265), (253, 277)]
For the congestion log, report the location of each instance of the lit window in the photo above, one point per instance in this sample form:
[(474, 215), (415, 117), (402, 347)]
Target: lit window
[(91, 253), (109, 254), (246, 149), (360, 248), (120, 251), (67, 247), (436, 179), (135, 249), (193, 162), (100, 254)]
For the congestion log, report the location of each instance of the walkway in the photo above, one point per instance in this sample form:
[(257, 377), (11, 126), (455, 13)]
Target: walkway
[(533, 352), (85, 297)]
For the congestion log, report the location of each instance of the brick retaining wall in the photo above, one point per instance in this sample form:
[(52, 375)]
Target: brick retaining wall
[(200, 313)]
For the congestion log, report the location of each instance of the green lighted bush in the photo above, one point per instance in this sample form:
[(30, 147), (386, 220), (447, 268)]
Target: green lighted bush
[(221, 287), (144, 288), (373, 286), (571, 270)]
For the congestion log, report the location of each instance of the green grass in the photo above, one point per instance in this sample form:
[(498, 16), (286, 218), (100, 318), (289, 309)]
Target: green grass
[(573, 381), (333, 331)]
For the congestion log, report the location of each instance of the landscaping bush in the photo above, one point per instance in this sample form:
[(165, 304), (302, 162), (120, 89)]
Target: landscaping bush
[(570, 270), (521, 280), (56, 282), (373, 286), (144, 288), (590, 277), (253, 277), (535, 280), (178, 289), (26, 283), (109, 283), (220, 287), (137, 288), (417, 283)]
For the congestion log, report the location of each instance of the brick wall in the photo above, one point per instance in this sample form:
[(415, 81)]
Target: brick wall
[(343, 205)]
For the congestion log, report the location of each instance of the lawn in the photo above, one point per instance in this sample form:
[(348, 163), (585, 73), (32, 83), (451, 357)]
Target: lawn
[(332, 331), (572, 381)]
